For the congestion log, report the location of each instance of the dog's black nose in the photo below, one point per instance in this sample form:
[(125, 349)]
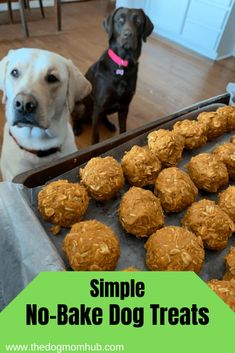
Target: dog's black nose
[(128, 33), (25, 104)]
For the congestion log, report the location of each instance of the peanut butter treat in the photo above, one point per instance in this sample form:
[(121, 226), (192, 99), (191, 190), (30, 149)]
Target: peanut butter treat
[(140, 212), (193, 132), (228, 276), (140, 166), (92, 246), (228, 113), (175, 189), (230, 264), (227, 201), (208, 172), (207, 220), (167, 146), (226, 153), (232, 139), (215, 124), (63, 203), (174, 249), (103, 177), (130, 269), (225, 290)]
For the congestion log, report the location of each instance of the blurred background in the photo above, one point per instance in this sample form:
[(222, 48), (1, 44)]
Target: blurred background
[(188, 58)]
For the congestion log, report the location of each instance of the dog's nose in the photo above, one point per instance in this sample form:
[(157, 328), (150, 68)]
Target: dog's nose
[(25, 104), (128, 33)]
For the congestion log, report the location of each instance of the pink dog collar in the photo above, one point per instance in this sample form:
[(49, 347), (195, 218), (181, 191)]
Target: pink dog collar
[(119, 61)]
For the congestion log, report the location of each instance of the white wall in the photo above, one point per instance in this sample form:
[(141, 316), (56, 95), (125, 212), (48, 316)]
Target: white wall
[(139, 4)]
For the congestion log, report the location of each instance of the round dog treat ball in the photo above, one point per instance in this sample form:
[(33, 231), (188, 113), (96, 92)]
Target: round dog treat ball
[(227, 201), (167, 145), (215, 124), (92, 246), (103, 177), (175, 189), (140, 166), (225, 290), (193, 132), (140, 212), (207, 220), (228, 112), (208, 172), (228, 276), (174, 249), (226, 153), (63, 203), (232, 139), (230, 261)]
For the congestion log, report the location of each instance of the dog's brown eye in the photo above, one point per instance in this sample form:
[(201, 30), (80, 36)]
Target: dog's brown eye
[(51, 78), (121, 20), (15, 73)]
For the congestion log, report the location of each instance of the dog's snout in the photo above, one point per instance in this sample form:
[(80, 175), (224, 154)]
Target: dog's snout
[(25, 104), (128, 33)]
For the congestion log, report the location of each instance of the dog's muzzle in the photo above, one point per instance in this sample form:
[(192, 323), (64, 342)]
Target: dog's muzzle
[(25, 107), (128, 39)]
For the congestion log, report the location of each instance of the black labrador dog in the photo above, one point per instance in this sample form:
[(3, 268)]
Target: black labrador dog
[(114, 75)]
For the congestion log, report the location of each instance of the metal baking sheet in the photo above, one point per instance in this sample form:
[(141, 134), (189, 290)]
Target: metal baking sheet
[(25, 249), (132, 249)]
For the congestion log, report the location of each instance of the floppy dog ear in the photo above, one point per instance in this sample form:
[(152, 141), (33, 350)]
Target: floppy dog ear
[(148, 27), (3, 68), (108, 23), (78, 86)]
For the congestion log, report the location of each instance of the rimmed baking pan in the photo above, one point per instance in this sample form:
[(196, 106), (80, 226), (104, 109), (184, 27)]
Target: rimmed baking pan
[(132, 249)]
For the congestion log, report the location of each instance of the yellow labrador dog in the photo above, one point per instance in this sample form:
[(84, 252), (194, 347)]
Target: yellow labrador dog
[(40, 89)]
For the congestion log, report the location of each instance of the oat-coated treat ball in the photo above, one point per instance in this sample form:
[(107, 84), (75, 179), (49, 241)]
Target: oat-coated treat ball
[(228, 276), (141, 166), (193, 132), (227, 201), (207, 220), (228, 112), (140, 212), (103, 177), (63, 203), (174, 249), (226, 153), (167, 145), (232, 139), (215, 124), (92, 246), (208, 172), (225, 290), (230, 262), (175, 189)]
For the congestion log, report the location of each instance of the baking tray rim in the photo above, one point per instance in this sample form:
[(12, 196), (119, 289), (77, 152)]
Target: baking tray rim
[(39, 176)]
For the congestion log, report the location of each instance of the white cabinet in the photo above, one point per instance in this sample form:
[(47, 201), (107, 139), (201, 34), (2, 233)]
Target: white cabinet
[(205, 26), (140, 4), (167, 15)]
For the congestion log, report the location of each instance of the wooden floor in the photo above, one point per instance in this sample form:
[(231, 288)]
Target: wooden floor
[(170, 77)]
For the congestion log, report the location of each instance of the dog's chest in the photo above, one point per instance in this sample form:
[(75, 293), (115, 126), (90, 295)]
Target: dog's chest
[(124, 86)]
